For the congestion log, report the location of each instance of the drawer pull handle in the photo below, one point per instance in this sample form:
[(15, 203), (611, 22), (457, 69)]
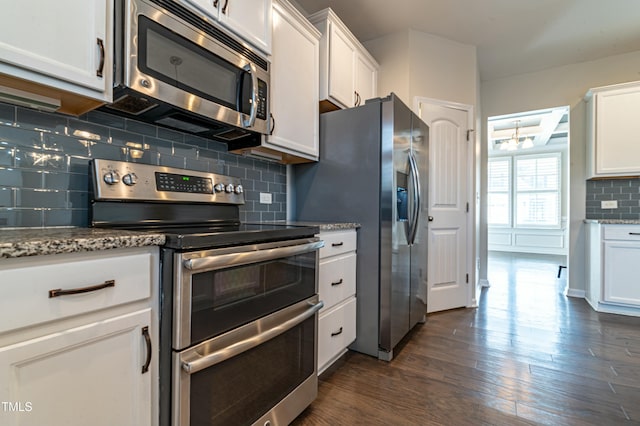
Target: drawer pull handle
[(337, 244), (337, 282), (336, 333), (60, 292), (101, 66), (147, 339), (634, 233)]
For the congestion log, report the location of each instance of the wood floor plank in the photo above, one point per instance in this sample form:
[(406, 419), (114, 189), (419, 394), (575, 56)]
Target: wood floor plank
[(528, 355)]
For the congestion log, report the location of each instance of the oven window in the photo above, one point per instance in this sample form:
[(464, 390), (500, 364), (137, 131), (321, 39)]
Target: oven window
[(228, 298), (240, 390), (175, 60)]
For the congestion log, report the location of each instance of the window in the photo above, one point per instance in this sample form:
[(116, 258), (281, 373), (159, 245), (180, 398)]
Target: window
[(537, 190), (526, 188), (499, 188)]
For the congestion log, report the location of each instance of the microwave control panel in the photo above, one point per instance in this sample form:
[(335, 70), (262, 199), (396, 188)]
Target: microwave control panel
[(262, 100)]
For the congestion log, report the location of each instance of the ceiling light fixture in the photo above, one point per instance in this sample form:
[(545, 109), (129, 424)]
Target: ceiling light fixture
[(515, 142)]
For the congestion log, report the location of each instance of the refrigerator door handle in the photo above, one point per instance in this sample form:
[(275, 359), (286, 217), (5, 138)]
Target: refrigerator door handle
[(416, 199)]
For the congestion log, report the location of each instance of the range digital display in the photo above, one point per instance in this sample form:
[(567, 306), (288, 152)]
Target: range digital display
[(183, 183)]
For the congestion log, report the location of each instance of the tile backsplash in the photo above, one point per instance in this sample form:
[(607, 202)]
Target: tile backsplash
[(44, 164), (625, 191)]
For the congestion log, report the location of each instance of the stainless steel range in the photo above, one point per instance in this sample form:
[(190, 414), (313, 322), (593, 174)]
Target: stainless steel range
[(239, 303)]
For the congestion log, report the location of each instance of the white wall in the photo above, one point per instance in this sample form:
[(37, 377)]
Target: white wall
[(413, 64), (550, 88)]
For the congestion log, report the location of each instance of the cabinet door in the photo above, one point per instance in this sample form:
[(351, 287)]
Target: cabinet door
[(366, 80), (206, 8), (617, 124), (294, 85), (341, 68), (621, 272), (250, 19), (89, 375), (69, 40)]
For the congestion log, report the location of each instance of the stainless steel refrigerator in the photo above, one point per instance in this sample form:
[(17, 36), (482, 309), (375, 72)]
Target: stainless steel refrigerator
[(373, 169)]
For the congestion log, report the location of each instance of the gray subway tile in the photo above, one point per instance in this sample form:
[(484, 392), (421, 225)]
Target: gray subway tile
[(6, 156), (216, 146), (124, 138), (253, 216), (268, 176), (237, 172), (58, 217), (252, 196), (68, 145), (43, 160), (7, 114), (171, 161), (88, 131), (612, 190), (20, 137), (77, 200), (229, 159), (265, 216), (78, 165), (185, 150), (281, 215), (41, 198), (107, 151), (171, 135), (142, 128), (196, 164), (260, 186), (254, 174), (109, 120), (44, 121), (194, 140), (21, 218), (160, 145), (6, 197)]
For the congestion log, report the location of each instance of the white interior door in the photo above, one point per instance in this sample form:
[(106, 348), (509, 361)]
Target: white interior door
[(448, 207)]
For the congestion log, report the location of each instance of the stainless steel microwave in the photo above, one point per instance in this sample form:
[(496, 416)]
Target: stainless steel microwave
[(176, 69)]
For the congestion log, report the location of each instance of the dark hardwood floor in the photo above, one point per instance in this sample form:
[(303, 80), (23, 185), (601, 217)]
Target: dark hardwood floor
[(527, 355)]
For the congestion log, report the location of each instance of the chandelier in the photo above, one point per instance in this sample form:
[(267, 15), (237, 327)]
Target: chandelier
[(515, 142)]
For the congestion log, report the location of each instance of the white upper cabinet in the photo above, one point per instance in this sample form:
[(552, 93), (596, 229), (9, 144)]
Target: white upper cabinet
[(348, 73), (249, 19), (294, 83), (65, 46), (612, 129)]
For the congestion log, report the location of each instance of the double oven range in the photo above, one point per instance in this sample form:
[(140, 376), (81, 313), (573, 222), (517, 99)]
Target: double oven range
[(239, 303)]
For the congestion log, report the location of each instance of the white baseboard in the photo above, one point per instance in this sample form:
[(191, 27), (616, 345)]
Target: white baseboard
[(571, 292)]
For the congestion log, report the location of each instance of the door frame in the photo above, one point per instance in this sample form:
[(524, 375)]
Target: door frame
[(472, 190)]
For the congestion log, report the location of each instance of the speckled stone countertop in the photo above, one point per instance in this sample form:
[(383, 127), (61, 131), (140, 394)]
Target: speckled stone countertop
[(614, 221), (324, 226), (37, 241)]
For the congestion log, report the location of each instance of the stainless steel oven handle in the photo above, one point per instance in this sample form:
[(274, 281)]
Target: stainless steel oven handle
[(217, 357), (244, 258)]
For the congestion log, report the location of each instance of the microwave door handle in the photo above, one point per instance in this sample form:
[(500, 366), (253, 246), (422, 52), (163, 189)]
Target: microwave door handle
[(251, 69)]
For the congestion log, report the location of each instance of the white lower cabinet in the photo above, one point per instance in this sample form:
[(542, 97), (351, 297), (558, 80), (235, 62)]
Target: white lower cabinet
[(81, 347), (88, 375), (613, 257), (621, 250), (337, 289)]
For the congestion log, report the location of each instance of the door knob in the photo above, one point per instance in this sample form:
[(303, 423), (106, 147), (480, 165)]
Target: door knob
[(430, 218)]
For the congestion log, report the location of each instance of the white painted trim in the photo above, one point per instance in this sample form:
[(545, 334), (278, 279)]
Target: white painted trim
[(471, 189), (572, 292)]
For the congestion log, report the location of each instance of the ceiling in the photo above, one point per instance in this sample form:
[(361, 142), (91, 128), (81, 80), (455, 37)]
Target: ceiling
[(512, 36)]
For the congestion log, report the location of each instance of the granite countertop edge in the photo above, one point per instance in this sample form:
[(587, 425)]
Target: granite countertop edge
[(46, 241), (614, 221), (323, 226)]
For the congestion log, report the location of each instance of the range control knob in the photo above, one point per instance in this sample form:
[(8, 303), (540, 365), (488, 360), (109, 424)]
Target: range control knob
[(239, 189), (130, 179), (229, 189), (218, 187), (111, 178)]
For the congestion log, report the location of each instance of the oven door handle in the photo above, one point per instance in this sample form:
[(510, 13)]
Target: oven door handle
[(244, 258), (204, 361)]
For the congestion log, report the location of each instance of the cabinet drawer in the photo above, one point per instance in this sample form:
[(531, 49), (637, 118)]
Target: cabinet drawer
[(337, 279), (622, 232), (337, 243), (25, 287), (336, 331)]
